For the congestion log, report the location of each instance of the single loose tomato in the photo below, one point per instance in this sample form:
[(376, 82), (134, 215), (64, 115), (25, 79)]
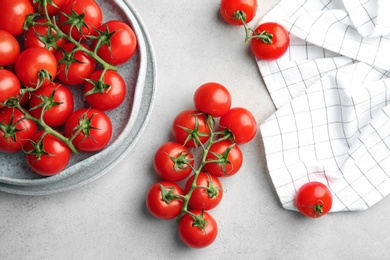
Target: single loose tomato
[(173, 162), (107, 94), (208, 191), (53, 6), (9, 85), (198, 229), (74, 66), (9, 48), (120, 44), (314, 199), (224, 159), (190, 128), (164, 200), (236, 12), (15, 130), (40, 36), (89, 128), (212, 98), (86, 14), (46, 154), (270, 41), (14, 14), (57, 102), (241, 123), (36, 67)]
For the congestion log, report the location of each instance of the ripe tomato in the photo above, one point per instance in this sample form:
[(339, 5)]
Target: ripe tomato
[(270, 41), (212, 98), (172, 161), (9, 48), (224, 159), (240, 123), (57, 101), (190, 127), (13, 15), (314, 199), (15, 130), (35, 66), (208, 194), (9, 85), (48, 156), (120, 46), (39, 36), (92, 127), (105, 95), (198, 230), (163, 200), (74, 66), (86, 13), (233, 11), (53, 6)]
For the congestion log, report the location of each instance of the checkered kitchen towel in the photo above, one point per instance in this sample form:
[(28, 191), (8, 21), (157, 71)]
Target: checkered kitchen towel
[(331, 90)]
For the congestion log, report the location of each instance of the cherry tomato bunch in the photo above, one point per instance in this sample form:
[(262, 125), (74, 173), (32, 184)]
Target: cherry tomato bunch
[(268, 41), (206, 148), (48, 47)]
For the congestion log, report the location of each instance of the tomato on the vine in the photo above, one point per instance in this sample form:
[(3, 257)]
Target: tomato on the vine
[(9, 85), (224, 159), (208, 191), (107, 94), (173, 162), (198, 229), (120, 44), (313, 199), (236, 11), (9, 48), (92, 129), (36, 66), (15, 130), (212, 98), (56, 99), (86, 14), (46, 154), (53, 6), (190, 128), (269, 41), (14, 14), (164, 200), (241, 123), (74, 65)]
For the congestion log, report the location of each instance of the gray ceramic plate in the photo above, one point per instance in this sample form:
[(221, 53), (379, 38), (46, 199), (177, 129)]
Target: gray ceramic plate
[(129, 121)]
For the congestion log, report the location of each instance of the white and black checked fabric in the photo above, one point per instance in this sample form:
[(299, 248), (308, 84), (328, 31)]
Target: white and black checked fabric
[(331, 90)]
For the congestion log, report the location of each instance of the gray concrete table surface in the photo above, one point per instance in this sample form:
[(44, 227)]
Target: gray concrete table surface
[(107, 219)]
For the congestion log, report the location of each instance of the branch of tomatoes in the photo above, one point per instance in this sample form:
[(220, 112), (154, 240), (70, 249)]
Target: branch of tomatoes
[(214, 132)]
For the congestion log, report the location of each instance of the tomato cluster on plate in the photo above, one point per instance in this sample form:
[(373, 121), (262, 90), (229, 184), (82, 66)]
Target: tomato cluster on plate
[(46, 49), (206, 148)]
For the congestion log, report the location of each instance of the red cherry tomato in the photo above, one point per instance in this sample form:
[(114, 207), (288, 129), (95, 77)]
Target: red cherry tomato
[(271, 41), (52, 156), (14, 14), (241, 123), (96, 129), (198, 230), (212, 98), (15, 130), (106, 96), (224, 159), (233, 11), (9, 85), (57, 101), (163, 200), (172, 162), (190, 128), (121, 46), (9, 48), (314, 199), (208, 194)]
